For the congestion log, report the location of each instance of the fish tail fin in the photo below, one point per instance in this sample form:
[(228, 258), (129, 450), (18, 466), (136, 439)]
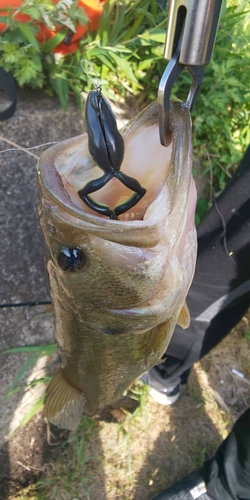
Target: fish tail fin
[(184, 317), (63, 402)]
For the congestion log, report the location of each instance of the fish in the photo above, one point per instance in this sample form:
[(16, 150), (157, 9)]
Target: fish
[(118, 287)]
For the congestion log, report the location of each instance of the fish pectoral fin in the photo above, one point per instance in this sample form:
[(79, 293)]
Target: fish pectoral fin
[(184, 317), (63, 403)]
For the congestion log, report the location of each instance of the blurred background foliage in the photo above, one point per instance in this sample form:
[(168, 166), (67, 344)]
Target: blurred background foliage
[(126, 53)]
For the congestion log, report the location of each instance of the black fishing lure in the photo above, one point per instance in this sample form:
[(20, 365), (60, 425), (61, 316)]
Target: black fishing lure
[(106, 147)]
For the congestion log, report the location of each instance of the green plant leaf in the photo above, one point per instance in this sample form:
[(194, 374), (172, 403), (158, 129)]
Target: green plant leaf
[(51, 44), (28, 34), (37, 60), (132, 31), (157, 35), (42, 350), (30, 362), (44, 380), (104, 25), (125, 66), (118, 25), (201, 210), (106, 62), (78, 96), (61, 87)]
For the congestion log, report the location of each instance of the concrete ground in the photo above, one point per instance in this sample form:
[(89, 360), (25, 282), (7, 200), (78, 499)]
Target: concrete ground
[(38, 119)]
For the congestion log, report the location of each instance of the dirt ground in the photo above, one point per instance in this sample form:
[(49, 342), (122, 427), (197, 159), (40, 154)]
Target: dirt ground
[(155, 447)]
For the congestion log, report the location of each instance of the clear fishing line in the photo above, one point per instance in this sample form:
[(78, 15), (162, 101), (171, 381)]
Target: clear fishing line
[(21, 148)]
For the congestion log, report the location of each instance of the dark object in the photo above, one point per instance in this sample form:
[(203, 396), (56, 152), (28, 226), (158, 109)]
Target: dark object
[(227, 475), (71, 259), (68, 38), (107, 149), (189, 488), (220, 293), (117, 412), (8, 85), (158, 391), (218, 298)]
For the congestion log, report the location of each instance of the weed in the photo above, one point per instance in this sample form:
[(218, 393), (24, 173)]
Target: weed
[(71, 476), (35, 352), (201, 209), (198, 457), (247, 335)]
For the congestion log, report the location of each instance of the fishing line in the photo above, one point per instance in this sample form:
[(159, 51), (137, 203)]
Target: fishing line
[(224, 235), (98, 87), (224, 238), (21, 148)]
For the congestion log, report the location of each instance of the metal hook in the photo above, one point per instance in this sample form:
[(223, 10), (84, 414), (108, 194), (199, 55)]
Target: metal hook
[(190, 39)]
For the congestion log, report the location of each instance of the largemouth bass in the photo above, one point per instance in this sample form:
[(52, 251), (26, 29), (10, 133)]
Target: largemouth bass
[(118, 286)]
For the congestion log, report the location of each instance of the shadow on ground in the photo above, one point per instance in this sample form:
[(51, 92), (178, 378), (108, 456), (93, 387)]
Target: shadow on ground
[(191, 438)]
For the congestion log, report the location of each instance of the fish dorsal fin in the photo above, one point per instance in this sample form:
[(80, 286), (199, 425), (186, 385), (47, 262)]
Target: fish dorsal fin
[(184, 317), (63, 403)]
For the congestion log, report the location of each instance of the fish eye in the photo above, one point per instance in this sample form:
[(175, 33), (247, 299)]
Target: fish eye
[(71, 259)]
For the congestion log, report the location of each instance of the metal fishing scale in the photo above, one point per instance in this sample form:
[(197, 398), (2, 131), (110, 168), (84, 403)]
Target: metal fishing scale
[(191, 31)]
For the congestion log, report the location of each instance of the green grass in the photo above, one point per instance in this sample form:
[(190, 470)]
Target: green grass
[(81, 455), (247, 335), (35, 352), (70, 473)]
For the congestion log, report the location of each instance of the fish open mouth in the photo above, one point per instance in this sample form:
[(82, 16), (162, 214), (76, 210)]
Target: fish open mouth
[(165, 173), (145, 159)]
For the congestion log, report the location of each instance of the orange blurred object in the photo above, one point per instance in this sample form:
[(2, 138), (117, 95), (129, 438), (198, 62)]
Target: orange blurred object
[(92, 8)]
